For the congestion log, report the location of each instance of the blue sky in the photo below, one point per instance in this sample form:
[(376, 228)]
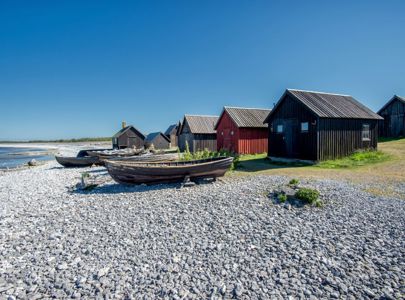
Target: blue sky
[(78, 68)]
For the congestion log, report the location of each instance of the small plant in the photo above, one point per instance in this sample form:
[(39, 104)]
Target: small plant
[(294, 182), (318, 203), (282, 197), (187, 154), (308, 195)]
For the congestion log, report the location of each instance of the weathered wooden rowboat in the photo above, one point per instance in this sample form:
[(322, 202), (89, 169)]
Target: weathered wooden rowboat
[(71, 162), (147, 158), (117, 153), (166, 172)]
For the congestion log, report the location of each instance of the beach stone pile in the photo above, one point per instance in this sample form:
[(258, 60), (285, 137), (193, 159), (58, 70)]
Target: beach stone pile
[(222, 240)]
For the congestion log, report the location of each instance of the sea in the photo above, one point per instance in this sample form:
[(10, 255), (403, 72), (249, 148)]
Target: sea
[(13, 157)]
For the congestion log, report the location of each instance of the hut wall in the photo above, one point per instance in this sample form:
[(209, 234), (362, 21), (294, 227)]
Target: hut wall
[(292, 142), (185, 137), (253, 140), (225, 139), (173, 140), (159, 142), (342, 137), (129, 139), (393, 124), (204, 141)]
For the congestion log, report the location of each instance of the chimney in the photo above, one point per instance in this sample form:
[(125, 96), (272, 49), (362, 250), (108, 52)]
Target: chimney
[(124, 124)]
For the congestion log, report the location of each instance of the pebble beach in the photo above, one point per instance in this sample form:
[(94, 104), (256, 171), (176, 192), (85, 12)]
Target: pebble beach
[(221, 240)]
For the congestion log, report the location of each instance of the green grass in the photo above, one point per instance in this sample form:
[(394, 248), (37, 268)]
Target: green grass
[(360, 158)]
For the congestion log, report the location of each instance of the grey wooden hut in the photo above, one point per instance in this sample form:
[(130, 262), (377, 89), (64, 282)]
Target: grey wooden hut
[(128, 137), (171, 133), (198, 132), (158, 139), (393, 113), (318, 126)]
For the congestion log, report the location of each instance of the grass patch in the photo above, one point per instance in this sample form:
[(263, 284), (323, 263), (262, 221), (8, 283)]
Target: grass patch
[(294, 182), (308, 195), (359, 158)]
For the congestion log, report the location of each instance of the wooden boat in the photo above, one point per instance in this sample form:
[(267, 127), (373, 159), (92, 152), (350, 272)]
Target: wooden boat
[(71, 162), (114, 153), (147, 158), (165, 172)]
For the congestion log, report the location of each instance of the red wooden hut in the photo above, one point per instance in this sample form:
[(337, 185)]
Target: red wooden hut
[(241, 130)]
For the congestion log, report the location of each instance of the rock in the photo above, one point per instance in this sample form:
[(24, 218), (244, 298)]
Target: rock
[(62, 266), (33, 162), (102, 272)]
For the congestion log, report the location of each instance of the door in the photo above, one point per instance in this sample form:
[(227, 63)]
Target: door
[(291, 137)]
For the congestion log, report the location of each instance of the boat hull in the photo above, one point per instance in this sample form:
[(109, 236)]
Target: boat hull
[(167, 172), (76, 162)]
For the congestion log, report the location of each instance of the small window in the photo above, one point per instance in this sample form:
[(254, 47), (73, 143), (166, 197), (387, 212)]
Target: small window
[(304, 127), (365, 133), (279, 128)]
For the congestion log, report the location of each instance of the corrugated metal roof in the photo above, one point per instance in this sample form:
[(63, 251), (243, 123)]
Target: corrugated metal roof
[(247, 117), (151, 136), (201, 124), (326, 105), (125, 129), (402, 99)]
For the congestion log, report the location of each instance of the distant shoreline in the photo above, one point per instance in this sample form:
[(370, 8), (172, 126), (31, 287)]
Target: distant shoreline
[(79, 140)]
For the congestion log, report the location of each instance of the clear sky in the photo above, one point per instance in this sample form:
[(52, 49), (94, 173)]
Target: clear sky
[(78, 68)]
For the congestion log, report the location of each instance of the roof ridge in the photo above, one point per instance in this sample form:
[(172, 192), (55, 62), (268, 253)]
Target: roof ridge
[(239, 107), (316, 92), (187, 115)]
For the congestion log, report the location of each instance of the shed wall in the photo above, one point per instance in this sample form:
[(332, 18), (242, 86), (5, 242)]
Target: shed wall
[(128, 139), (292, 143), (342, 137), (159, 142), (252, 140), (393, 124), (225, 139)]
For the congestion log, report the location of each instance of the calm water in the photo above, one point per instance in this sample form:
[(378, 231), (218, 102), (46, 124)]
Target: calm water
[(11, 157)]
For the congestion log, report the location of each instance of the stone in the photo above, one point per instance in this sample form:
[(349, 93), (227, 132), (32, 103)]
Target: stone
[(32, 163)]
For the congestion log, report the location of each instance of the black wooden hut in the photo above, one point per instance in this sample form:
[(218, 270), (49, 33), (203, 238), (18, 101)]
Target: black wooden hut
[(198, 132), (128, 137), (171, 133), (319, 126), (393, 113), (158, 139)]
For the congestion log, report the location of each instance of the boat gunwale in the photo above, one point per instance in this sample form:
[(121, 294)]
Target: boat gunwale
[(160, 165)]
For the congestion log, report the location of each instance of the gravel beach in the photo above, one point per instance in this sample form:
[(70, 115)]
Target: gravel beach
[(218, 241)]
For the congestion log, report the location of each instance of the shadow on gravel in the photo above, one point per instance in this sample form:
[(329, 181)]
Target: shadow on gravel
[(56, 168), (116, 188), (264, 164), (103, 171)]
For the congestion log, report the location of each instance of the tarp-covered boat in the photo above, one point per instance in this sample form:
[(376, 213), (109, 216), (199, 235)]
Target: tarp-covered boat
[(71, 162), (165, 172)]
